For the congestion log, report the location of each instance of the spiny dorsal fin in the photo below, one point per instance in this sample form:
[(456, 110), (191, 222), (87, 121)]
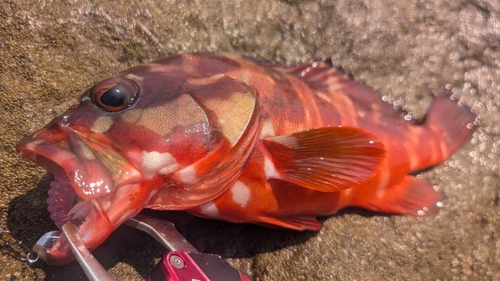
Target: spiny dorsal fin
[(326, 159), (333, 80), (322, 75), (319, 73), (315, 73)]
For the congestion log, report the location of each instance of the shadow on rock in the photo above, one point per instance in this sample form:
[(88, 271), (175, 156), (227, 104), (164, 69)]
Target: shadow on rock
[(27, 215), (28, 219)]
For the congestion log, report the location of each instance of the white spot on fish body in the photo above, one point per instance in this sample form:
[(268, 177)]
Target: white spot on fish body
[(269, 169), (155, 162), (241, 193), (209, 209), (102, 124), (188, 175), (267, 129)]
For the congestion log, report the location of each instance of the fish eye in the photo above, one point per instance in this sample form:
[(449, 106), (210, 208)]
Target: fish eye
[(114, 97), (114, 94)]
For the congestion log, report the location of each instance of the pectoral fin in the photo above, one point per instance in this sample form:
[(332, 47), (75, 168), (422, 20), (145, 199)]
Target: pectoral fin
[(326, 159)]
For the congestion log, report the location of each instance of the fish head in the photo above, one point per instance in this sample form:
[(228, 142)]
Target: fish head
[(155, 127)]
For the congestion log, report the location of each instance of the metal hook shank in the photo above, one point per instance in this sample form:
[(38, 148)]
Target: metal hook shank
[(92, 268)]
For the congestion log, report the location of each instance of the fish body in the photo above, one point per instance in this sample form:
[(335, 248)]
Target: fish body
[(240, 140)]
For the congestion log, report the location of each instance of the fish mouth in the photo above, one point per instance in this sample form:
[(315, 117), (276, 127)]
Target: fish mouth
[(85, 186)]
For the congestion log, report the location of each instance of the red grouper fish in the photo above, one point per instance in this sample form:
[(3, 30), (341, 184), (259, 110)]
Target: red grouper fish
[(240, 140)]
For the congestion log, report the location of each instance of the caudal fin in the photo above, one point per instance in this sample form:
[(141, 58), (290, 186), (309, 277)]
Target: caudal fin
[(454, 121), (411, 196)]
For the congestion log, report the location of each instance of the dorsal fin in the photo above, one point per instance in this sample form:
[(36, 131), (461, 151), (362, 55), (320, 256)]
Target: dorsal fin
[(314, 73), (319, 73), (322, 75)]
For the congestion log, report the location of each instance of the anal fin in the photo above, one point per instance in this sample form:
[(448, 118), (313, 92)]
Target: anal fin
[(411, 196), (300, 223)]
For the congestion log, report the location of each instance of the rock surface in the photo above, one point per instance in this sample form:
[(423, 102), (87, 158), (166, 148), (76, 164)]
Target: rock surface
[(51, 51)]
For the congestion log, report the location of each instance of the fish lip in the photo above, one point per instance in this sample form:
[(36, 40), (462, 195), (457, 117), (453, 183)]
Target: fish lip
[(88, 176), (61, 152)]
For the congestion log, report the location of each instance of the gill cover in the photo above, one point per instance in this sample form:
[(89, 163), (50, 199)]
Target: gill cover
[(230, 109)]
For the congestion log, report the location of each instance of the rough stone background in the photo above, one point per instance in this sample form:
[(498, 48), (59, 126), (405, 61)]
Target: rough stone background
[(50, 51)]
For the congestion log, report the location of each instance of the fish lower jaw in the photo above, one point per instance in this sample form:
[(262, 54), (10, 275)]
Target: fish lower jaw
[(95, 220), (94, 226)]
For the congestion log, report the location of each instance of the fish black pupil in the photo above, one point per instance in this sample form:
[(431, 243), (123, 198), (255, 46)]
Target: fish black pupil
[(114, 97)]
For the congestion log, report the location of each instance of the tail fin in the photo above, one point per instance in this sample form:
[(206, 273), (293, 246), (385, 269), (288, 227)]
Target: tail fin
[(454, 121), (411, 196)]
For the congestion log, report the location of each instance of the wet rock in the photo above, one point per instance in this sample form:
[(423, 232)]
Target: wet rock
[(53, 50)]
